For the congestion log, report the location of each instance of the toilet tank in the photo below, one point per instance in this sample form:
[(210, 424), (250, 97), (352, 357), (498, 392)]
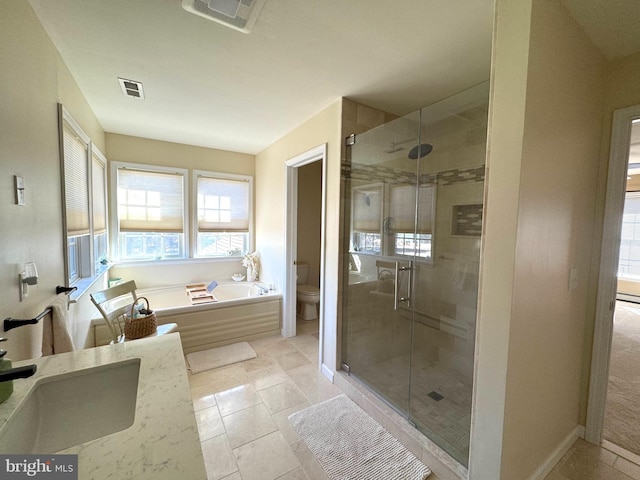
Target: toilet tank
[(302, 269)]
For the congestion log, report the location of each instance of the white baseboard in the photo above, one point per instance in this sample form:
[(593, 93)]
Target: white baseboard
[(553, 459), (327, 372)]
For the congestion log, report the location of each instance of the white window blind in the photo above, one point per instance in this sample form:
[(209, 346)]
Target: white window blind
[(150, 201), (98, 173), (76, 183), (367, 209), (223, 205), (403, 204)]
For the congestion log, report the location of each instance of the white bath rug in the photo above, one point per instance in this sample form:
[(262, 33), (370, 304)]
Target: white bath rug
[(348, 443), (219, 357)]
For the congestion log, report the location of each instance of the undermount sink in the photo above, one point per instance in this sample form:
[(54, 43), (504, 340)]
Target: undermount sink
[(65, 410)]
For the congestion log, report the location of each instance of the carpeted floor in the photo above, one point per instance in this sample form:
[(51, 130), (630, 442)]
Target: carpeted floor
[(622, 416)]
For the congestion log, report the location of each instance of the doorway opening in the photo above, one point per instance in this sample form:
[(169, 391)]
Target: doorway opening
[(293, 236), (613, 417)]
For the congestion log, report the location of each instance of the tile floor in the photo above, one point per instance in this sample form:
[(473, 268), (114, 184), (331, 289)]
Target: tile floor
[(242, 410), (242, 413)]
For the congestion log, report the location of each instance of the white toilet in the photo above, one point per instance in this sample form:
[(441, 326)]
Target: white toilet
[(308, 295)]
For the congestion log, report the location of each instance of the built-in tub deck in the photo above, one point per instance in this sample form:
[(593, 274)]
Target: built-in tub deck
[(240, 313)]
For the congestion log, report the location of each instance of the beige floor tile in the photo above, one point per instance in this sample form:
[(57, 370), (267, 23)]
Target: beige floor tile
[(281, 396), (219, 459), (309, 463), (209, 423), (266, 458), (248, 425), (237, 476), (263, 360), (291, 360), (307, 344), (281, 347), (627, 467), (202, 397), (304, 327), (236, 399), (220, 379), (297, 474), (282, 421), (268, 377), (313, 384), (555, 475), (262, 344)]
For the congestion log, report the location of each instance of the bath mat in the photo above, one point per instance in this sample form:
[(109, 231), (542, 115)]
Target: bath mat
[(219, 357), (348, 443)]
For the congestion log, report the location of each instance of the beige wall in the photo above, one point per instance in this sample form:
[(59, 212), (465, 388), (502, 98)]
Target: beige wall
[(309, 219), (271, 209), (123, 148), (33, 80), (545, 216)]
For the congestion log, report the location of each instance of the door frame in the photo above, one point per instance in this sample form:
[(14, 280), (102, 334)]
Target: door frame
[(318, 153), (607, 276)]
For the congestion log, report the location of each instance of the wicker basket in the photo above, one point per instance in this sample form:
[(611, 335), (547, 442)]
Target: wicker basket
[(141, 326)]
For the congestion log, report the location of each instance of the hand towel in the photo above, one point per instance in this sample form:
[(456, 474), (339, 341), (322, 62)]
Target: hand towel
[(55, 335)]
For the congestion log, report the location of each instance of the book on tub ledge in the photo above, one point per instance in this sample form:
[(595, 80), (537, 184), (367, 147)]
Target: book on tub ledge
[(198, 293)]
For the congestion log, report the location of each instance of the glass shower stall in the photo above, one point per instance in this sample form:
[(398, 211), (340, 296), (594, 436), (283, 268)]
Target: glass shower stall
[(413, 201)]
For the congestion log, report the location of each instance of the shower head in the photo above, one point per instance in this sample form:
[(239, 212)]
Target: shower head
[(395, 148), (420, 151)]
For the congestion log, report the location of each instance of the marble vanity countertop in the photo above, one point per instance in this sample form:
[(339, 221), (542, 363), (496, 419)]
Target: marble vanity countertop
[(163, 442)]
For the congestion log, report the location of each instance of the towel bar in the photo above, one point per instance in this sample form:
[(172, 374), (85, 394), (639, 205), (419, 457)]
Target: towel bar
[(11, 323)]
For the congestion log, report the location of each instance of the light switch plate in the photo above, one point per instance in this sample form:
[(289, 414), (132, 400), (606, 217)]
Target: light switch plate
[(20, 199)]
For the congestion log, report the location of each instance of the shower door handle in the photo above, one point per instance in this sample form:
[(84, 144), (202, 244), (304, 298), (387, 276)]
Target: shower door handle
[(397, 299)]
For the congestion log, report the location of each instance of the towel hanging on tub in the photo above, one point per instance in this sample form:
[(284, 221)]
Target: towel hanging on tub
[(55, 334)]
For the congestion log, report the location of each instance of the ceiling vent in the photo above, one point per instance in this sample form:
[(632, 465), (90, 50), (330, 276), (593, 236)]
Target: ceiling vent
[(240, 15), (131, 88)]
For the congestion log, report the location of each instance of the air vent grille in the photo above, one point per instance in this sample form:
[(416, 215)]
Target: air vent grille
[(131, 88), (240, 15)]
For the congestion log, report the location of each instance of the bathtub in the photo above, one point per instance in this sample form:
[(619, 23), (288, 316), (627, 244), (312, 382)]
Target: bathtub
[(240, 313)]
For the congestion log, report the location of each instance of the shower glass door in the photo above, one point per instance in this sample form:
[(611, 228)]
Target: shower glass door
[(415, 191), (377, 317)]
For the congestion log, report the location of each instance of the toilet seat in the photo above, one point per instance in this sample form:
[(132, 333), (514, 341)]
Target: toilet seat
[(307, 290)]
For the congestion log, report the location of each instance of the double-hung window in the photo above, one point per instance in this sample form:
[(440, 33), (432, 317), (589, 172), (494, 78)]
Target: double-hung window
[(223, 206), (84, 195), (151, 212)]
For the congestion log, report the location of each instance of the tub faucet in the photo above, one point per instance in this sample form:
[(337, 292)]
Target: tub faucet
[(263, 290)]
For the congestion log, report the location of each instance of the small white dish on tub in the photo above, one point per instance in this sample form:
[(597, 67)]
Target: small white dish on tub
[(237, 277)]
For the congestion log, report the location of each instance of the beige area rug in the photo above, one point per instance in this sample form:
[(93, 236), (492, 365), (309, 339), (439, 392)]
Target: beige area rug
[(622, 413), (219, 357), (349, 444)]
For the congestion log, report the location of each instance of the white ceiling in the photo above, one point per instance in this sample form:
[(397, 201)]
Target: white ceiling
[(208, 85)]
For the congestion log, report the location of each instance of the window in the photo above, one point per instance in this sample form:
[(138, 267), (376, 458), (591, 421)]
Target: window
[(84, 200), (367, 218), (629, 263), (411, 239), (150, 212), (155, 220), (223, 214)]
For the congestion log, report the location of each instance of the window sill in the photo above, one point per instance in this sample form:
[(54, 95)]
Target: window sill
[(85, 284), (177, 261)]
